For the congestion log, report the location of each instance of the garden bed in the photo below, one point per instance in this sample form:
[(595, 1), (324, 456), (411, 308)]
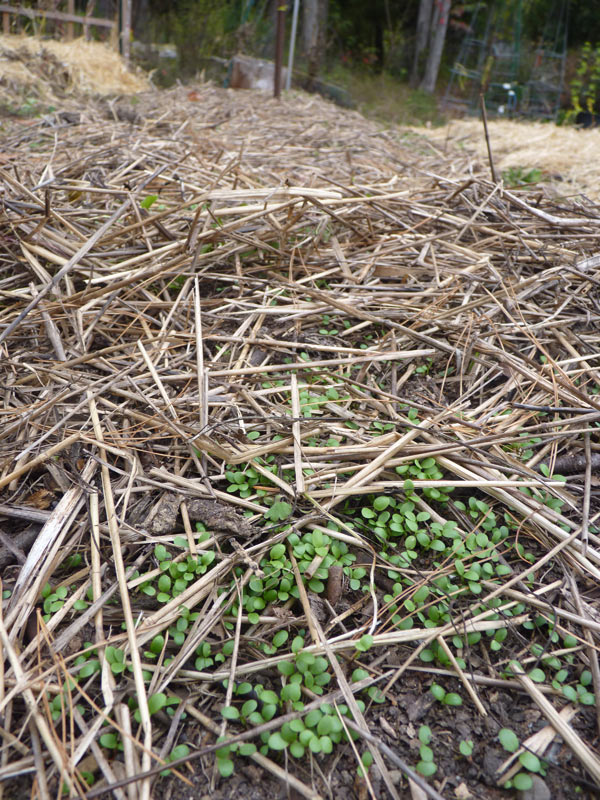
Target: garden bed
[(299, 448)]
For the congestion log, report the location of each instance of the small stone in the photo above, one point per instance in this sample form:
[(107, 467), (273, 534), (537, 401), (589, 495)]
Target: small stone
[(462, 792), (538, 791)]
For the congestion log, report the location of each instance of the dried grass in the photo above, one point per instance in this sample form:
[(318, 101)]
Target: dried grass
[(299, 270), (55, 69), (567, 157)]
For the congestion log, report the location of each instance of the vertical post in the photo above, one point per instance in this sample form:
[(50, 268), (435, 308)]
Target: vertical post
[(487, 137), (288, 80), (126, 29), (88, 12), (279, 48), (5, 22), (70, 25)]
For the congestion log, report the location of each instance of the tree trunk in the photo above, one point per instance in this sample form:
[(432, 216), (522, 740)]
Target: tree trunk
[(438, 37), (141, 17), (314, 30), (423, 28)]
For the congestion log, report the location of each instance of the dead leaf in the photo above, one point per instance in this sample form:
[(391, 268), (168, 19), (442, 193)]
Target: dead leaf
[(387, 728), (40, 499), (335, 582)]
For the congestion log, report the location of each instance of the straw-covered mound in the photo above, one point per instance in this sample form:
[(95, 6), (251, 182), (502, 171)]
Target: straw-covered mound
[(565, 158), (48, 71), (299, 448)]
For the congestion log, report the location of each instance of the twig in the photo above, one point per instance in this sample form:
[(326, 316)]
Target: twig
[(487, 137)]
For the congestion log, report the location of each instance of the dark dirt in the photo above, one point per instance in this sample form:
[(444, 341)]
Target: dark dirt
[(397, 725)]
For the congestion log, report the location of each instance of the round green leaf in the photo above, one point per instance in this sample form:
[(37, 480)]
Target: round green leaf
[(277, 742), (530, 761), (291, 692), (426, 753), (180, 751), (452, 699), (156, 702), (109, 740), (426, 768), (268, 712), (311, 720), (508, 740), (424, 735), (248, 707), (297, 749), (277, 552), (382, 502), (230, 712), (522, 782), (537, 675), (280, 638), (586, 678), (438, 691), (225, 766), (466, 747)]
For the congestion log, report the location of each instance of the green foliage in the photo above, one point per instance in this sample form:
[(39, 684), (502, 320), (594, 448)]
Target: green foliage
[(508, 739), (447, 698), (149, 200), (116, 658), (426, 765), (383, 97), (425, 734), (180, 751), (522, 782), (318, 731), (279, 511), (586, 82), (111, 741), (466, 747), (199, 29), (176, 575), (521, 176)]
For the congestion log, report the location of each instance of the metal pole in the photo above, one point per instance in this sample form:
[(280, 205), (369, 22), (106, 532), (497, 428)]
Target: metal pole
[(288, 80), (279, 49), (125, 29)]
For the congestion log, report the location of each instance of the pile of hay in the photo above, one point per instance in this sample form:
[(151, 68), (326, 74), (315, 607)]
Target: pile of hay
[(38, 71), (568, 158)]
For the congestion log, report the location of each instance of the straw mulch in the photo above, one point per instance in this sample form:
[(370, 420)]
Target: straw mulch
[(46, 71), (229, 283), (567, 158)]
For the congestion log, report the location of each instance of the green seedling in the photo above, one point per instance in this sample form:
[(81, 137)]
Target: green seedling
[(424, 369), (466, 747), (318, 731), (149, 201), (521, 176), (426, 765), (180, 751), (176, 574), (447, 698), (522, 781)]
